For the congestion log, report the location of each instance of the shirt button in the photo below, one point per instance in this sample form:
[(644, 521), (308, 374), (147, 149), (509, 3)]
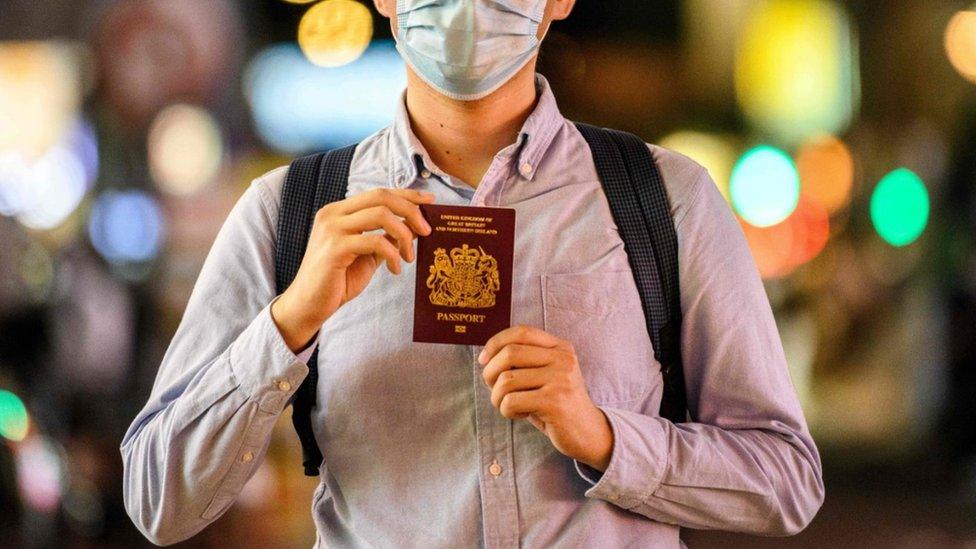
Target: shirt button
[(425, 174), (247, 457), (495, 468), (284, 385), (526, 168)]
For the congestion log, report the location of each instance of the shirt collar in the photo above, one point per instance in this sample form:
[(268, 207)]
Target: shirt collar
[(408, 157)]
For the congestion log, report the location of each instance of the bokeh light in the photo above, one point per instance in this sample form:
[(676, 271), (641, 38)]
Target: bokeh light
[(37, 271), (14, 421), (185, 149), (811, 230), (826, 168), (40, 91), (299, 107), (765, 186), (126, 226), (716, 153), (333, 33), (39, 474), (44, 193), (960, 43), (795, 70), (900, 207), (779, 249), (83, 143), (152, 53)]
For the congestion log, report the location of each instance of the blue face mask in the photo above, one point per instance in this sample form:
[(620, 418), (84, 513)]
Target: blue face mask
[(466, 49)]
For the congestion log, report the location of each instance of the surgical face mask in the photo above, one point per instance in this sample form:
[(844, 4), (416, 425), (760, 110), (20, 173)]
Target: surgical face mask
[(466, 49)]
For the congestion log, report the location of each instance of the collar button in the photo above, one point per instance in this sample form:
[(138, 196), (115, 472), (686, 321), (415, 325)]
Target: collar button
[(526, 169)]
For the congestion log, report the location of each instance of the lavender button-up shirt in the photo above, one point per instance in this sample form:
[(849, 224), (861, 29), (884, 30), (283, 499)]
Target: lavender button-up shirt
[(414, 452)]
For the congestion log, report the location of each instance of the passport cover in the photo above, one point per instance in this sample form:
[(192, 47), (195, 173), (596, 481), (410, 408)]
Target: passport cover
[(464, 274)]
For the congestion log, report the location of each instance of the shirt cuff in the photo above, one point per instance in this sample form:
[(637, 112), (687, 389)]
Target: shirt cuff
[(265, 368), (638, 460)]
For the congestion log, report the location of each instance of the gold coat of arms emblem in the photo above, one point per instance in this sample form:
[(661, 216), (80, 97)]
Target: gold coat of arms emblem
[(467, 278)]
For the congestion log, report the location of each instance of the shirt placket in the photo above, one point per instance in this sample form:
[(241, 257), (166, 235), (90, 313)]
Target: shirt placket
[(496, 473)]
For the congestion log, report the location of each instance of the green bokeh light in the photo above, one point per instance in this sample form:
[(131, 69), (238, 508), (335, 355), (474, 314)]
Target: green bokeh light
[(13, 417), (900, 207), (765, 186)]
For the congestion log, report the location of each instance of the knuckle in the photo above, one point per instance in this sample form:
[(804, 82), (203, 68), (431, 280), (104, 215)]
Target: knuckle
[(506, 378), (504, 354)]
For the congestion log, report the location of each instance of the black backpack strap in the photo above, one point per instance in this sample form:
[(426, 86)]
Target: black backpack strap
[(639, 202), (311, 182)]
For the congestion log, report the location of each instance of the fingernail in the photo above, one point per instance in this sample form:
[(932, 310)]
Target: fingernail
[(481, 357)]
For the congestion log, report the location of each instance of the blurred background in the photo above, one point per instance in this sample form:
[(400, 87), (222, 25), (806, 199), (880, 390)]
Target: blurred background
[(843, 135)]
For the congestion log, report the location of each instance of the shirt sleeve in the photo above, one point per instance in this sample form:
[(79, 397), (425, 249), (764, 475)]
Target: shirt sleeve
[(747, 463), (222, 383)]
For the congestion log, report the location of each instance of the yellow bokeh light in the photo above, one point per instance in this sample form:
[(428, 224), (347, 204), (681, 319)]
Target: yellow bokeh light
[(826, 169), (40, 92), (795, 70), (185, 149), (716, 153), (333, 33), (960, 43)]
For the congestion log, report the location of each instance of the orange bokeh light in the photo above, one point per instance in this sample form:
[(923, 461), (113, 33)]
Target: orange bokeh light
[(781, 248), (826, 169)]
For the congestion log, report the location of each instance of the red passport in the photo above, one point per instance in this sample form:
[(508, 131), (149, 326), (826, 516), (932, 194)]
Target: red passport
[(464, 274)]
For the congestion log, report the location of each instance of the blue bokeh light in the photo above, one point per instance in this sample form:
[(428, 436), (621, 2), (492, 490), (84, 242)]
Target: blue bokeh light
[(298, 107), (126, 226)]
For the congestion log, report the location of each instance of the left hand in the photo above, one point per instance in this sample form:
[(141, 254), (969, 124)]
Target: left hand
[(535, 375)]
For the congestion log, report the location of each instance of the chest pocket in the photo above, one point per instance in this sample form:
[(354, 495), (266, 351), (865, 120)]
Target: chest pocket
[(600, 314)]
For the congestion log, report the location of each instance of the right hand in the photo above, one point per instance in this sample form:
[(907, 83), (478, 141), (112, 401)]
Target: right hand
[(340, 261)]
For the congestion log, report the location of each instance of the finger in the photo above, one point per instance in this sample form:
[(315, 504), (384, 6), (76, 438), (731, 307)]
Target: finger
[(384, 216), (403, 202), (523, 379), (374, 243), (520, 333), (379, 217), (518, 404), (515, 355)]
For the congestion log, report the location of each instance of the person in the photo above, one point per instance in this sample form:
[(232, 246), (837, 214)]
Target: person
[(547, 435)]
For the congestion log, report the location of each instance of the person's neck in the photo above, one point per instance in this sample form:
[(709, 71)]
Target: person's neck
[(462, 137)]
